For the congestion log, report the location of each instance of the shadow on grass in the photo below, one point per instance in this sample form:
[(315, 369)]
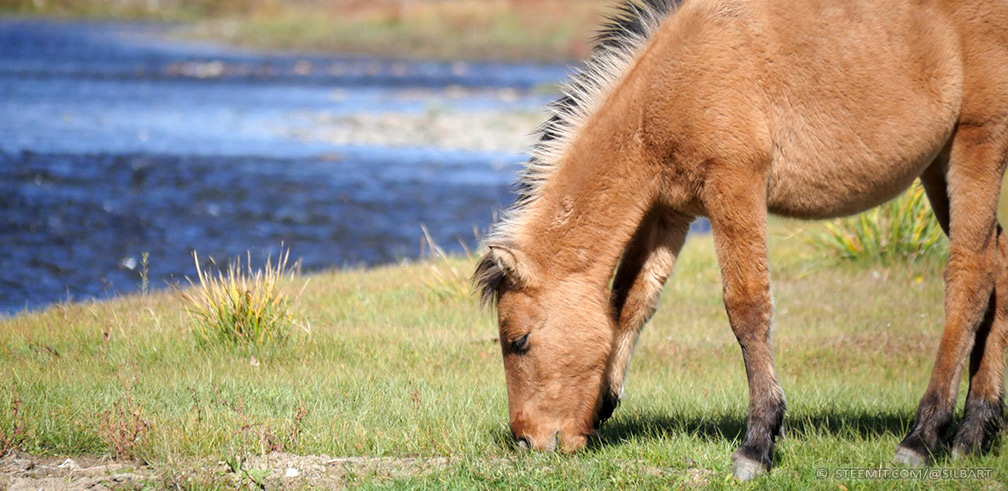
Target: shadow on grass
[(731, 427), (643, 426), (650, 426)]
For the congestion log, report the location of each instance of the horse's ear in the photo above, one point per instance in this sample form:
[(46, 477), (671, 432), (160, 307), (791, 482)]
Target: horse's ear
[(515, 264)]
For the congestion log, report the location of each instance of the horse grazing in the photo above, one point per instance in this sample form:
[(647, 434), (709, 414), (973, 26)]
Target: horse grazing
[(733, 109)]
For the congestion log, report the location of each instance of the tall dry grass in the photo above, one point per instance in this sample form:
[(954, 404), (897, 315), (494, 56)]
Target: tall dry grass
[(449, 277), (242, 306), (903, 229)]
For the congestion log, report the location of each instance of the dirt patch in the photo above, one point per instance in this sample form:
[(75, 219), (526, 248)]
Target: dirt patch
[(22, 472), (287, 471)]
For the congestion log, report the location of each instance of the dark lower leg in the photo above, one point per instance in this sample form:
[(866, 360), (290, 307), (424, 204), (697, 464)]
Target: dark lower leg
[(983, 421), (766, 411), (934, 414), (932, 420), (983, 416)]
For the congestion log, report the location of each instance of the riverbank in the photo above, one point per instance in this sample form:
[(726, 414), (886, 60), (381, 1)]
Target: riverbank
[(544, 30)]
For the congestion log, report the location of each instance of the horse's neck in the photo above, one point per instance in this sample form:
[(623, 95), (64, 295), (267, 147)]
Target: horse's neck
[(593, 201)]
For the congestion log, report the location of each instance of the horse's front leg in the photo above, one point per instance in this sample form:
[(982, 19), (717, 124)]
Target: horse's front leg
[(646, 264), (974, 179), (736, 205)]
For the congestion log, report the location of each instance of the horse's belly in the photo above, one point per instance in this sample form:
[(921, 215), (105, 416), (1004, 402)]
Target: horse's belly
[(848, 165), (835, 156), (814, 190), (837, 159)]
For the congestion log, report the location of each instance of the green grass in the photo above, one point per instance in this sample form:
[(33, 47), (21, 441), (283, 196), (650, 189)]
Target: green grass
[(394, 367)]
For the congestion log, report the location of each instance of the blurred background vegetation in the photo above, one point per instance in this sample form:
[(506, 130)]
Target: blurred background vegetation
[(456, 29)]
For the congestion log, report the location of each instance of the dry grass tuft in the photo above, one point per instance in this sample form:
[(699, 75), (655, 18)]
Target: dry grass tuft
[(123, 426), (240, 306), (902, 229), (448, 281), (11, 438)]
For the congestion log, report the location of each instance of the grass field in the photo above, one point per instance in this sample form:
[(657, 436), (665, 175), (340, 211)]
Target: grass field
[(395, 363)]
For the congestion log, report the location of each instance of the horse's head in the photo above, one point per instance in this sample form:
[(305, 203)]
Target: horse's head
[(555, 335)]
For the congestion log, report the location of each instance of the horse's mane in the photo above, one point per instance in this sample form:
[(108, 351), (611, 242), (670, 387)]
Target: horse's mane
[(617, 43)]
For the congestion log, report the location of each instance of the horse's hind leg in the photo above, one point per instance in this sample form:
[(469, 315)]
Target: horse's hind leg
[(974, 171), (646, 264), (736, 205), (983, 416)]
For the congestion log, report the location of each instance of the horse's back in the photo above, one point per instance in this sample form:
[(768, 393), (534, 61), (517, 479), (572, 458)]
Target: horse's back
[(867, 97), (848, 101)]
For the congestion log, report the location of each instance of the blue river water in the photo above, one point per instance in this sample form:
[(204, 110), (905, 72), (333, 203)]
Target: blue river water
[(115, 142)]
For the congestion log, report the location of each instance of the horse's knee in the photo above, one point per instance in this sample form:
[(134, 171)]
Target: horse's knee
[(970, 278), (749, 313)]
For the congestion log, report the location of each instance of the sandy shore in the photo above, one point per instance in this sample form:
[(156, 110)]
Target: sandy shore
[(492, 131)]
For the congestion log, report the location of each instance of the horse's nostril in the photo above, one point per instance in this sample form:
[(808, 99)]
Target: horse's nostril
[(552, 443), (523, 443)]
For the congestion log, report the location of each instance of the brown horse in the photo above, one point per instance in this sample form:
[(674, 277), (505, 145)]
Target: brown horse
[(733, 109)]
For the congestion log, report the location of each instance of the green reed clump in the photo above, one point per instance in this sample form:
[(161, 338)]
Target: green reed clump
[(240, 306), (902, 229)]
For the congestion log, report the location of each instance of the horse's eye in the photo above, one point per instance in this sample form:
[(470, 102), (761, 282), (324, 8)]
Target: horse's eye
[(520, 345)]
